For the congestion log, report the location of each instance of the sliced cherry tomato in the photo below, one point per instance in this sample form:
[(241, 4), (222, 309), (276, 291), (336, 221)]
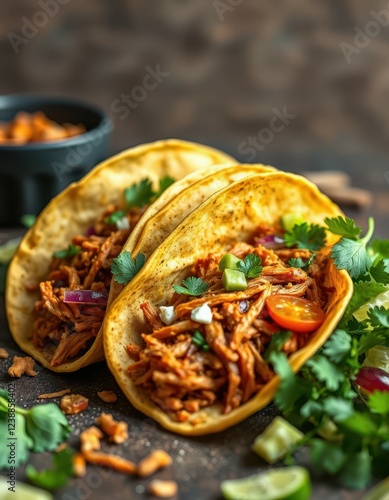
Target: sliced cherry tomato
[(293, 313)]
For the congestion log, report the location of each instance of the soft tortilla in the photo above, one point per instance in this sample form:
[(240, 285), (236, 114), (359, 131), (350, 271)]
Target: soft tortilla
[(230, 215), (76, 209)]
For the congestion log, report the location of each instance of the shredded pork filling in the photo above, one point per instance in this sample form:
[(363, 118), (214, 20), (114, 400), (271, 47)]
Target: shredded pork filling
[(180, 377), (72, 328)]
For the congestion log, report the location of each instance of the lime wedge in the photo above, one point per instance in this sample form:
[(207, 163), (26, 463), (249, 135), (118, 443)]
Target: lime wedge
[(379, 492), (381, 300), (288, 483), (21, 491), (8, 249), (274, 442)]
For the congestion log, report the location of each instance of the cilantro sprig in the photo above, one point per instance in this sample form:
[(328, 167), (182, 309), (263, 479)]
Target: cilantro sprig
[(250, 266), (41, 428), (56, 476), (192, 286), (310, 236), (114, 217), (70, 251), (298, 262), (142, 193), (124, 268)]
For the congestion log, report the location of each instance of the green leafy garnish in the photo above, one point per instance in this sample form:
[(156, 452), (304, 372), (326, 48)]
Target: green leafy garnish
[(379, 273), (139, 195), (70, 251), (28, 220), (343, 226), (250, 266), (41, 428), (192, 286), (350, 253), (114, 217), (276, 343), (124, 268), (310, 236), (55, 477), (200, 341), (298, 262)]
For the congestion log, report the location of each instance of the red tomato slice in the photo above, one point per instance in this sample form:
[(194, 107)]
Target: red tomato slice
[(293, 313)]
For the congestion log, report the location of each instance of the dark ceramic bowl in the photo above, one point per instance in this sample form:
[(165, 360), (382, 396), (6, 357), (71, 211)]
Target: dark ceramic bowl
[(31, 174)]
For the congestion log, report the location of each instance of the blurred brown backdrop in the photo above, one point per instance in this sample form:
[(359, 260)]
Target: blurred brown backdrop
[(224, 69)]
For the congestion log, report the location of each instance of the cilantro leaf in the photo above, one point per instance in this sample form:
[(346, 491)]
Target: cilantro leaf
[(276, 343), (28, 220), (250, 266), (70, 251), (379, 316), (139, 195), (23, 442), (200, 341), (192, 286), (337, 346), (312, 236), (326, 372), (370, 339), (338, 408), (164, 183), (363, 292), (327, 456), (381, 248), (47, 426), (379, 273), (114, 217), (356, 472), (343, 226), (360, 424), (124, 268), (351, 254), (378, 402), (298, 262), (55, 477)]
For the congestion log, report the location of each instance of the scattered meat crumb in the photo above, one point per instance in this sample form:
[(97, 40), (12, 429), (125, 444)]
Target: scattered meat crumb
[(113, 461), (22, 365), (107, 396), (90, 439), (3, 353), (117, 431), (163, 489), (153, 462), (79, 465), (73, 404), (54, 394)]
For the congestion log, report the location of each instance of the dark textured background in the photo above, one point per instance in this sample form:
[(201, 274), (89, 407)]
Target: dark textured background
[(226, 75)]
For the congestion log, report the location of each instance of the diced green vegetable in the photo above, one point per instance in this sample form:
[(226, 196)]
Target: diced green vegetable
[(228, 261), (379, 492), (276, 440), (233, 280), (381, 300), (22, 491), (290, 483), (291, 219)]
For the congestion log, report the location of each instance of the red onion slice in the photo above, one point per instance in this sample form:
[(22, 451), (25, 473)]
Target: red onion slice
[(270, 241), (85, 297), (90, 231)]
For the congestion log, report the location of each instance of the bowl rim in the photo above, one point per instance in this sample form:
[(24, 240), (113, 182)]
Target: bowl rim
[(75, 141)]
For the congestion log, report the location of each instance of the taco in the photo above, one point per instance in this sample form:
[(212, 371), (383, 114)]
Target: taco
[(193, 357), (59, 280)]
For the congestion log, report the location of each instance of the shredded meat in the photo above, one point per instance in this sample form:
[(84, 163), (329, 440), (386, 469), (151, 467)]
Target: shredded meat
[(73, 327), (181, 377), (21, 366), (117, 431)]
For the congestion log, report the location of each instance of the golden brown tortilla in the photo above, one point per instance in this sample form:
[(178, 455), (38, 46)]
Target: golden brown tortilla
[(77, 208), (230, 215)]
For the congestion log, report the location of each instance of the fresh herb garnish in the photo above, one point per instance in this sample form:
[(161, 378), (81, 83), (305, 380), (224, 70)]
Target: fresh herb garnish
[(276, 343), (310, 236), (114, 217), (141, 194), (124, 268), (70, 251), (41, 428), (350, 252), (298, 262), (28, 220), (250, 266), (55, 477), (323, 392), (200, 341), (192, 286)]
